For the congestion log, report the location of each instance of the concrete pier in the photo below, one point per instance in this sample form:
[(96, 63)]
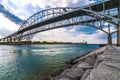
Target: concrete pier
[(102, 64), (118, 35), (118, 28)]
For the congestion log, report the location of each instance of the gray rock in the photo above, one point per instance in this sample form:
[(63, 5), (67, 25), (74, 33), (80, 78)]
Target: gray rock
[(112, 49), (75, 73), (108, 53), (98, 61), (64, 73), (91, 59), (105, 61), (118, 78), (107, 57), (75, 66), (85, 65), (79, 60), (87, 72), (117, 48), (110, 57), (112, 64), (104, 72), (64, 79)]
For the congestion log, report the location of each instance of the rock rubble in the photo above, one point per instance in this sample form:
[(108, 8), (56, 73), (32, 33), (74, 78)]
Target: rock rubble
[(102, 64)]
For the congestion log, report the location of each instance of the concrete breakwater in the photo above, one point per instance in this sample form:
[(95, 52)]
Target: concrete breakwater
[(102, 64)]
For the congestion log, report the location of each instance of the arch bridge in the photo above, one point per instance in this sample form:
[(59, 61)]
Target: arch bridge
[(104, 15)]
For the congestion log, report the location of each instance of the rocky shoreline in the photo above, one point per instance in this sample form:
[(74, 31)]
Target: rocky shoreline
[(89, 67), (69, 64)]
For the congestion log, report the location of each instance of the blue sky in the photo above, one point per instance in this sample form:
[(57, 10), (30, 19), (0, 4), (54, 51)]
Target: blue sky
[(14, 12)]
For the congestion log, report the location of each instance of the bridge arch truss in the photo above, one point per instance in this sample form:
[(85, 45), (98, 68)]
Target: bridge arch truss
[(62, 17), (90, 18)]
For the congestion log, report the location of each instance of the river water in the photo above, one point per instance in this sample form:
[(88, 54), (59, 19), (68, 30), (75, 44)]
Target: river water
[(34, 62)]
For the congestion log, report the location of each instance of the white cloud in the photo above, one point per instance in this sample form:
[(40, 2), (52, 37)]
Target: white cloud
[(74, 1), (63, 35), (7, 24), (43, 3), (93, 38), (19, 8), (58, 3), (114, 40)]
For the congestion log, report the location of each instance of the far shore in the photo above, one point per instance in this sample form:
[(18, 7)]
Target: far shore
[(37, 42), (45, 43)]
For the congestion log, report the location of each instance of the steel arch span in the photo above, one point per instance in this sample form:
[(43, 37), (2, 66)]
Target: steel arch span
[(93, 20), (62, 17), (33, 24)]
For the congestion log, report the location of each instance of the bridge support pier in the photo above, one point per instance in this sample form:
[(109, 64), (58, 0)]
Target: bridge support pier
[(3, 40), (118, 28), (118, 35), (7, 39), (14, 40), (10, 40), (109, 39)]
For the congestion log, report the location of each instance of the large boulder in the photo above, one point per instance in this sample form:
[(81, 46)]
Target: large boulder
[(98, 61), (112, 64), (104, 72), (64, 73), (75, 73), (91, 59), (110, 57), (86, 74), (85, 65)]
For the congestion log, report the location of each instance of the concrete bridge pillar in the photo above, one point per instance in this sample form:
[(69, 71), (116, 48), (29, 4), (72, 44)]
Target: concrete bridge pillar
[(118, 35), (109, 39), (118, 28), (19, 39), (14, 40), (3, 40), (7, 39), (10, 39)]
